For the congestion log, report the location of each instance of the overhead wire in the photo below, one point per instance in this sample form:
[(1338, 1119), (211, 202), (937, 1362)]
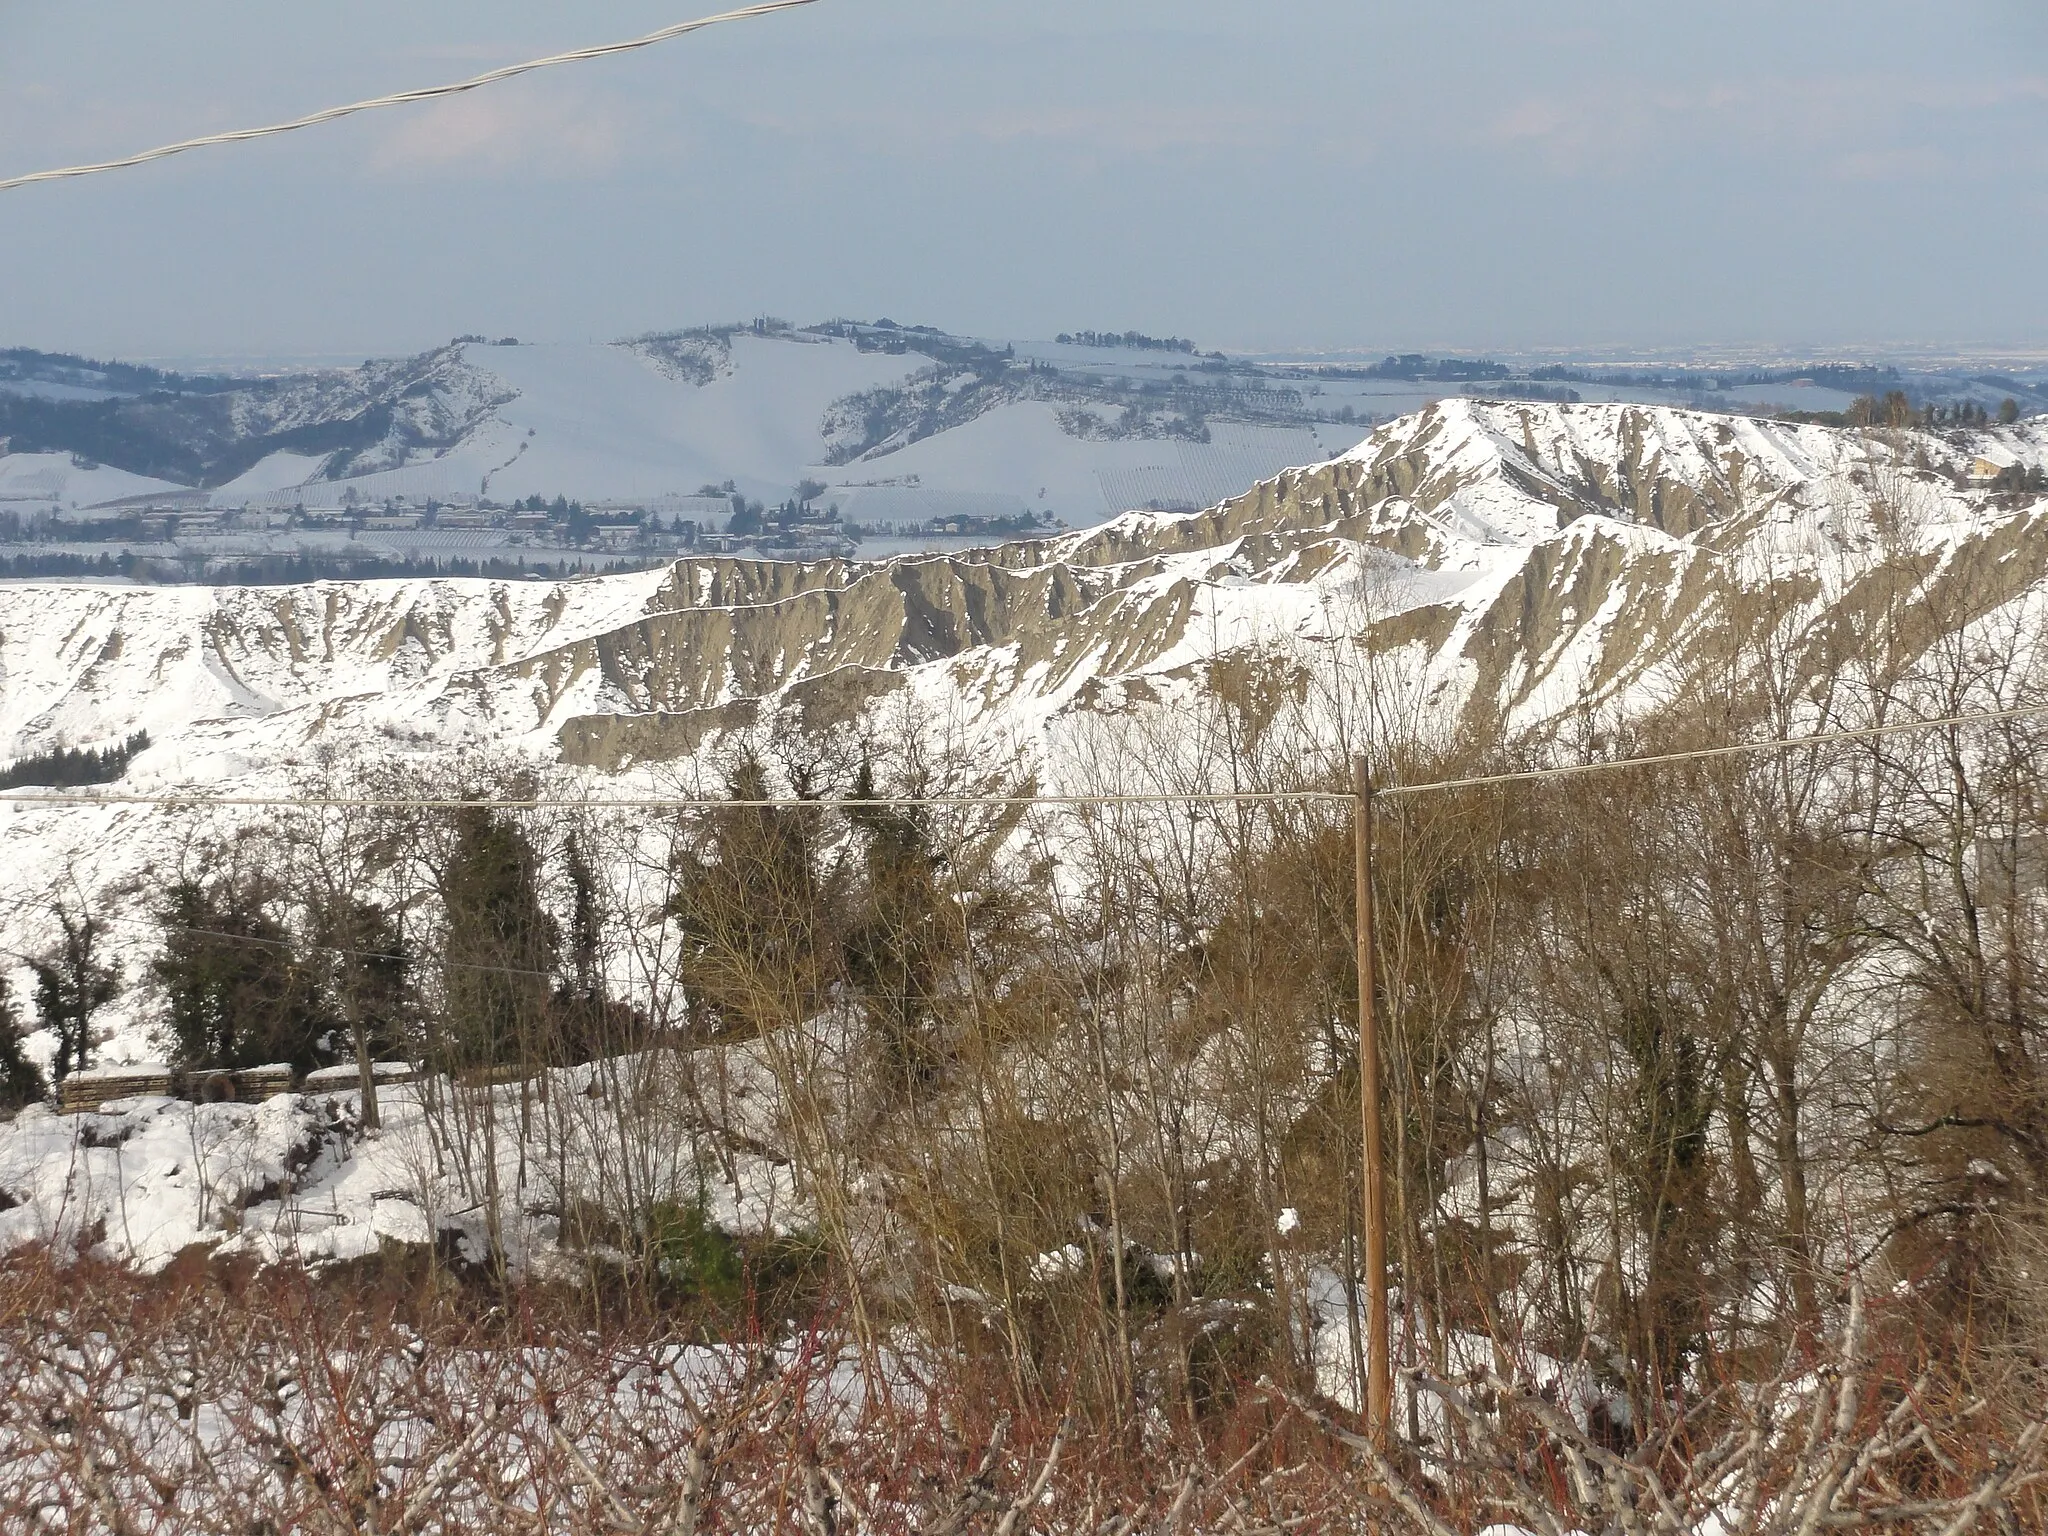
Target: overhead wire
[(1734, 749), (1896, 728), (402, 98), (899, 802)]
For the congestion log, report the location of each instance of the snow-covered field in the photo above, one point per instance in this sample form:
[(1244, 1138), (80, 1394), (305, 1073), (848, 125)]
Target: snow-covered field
[(44, 482)]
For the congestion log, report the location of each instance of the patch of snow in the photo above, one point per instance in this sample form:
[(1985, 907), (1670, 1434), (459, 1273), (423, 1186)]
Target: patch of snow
[(277, 472), (59, 480)]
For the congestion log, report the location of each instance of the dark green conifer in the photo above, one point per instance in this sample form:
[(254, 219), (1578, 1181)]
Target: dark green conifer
[(71, 986), (238, 993), (21, 1080)]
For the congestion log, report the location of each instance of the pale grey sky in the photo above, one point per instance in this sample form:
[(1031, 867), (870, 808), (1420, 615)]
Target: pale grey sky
[(1342, 173)]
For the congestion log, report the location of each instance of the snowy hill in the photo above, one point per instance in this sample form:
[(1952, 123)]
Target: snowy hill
[(902, 426)]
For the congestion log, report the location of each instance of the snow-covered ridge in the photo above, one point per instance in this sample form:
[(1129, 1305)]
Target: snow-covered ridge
[(1466, 495)]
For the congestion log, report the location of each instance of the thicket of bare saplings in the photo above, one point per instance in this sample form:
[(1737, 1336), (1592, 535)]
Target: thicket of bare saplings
[(389, 1403), (1682, 1060)]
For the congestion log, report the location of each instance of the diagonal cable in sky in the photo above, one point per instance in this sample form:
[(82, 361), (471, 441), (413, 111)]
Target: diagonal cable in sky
[(403, 98)]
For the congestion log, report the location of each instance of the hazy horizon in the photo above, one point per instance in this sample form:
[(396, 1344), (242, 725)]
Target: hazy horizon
[(1590, 177), (1706, 355)]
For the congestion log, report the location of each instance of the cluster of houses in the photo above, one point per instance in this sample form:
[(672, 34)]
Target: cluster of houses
[(194, 524), (189, 517)]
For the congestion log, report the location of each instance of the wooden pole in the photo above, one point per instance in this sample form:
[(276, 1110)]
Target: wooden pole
[(1379, 1375)]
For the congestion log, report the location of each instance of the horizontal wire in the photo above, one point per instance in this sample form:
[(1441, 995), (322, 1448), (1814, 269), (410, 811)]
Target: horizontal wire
[(401, 98), (901, 802), (1696, 754), (904, 801)]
